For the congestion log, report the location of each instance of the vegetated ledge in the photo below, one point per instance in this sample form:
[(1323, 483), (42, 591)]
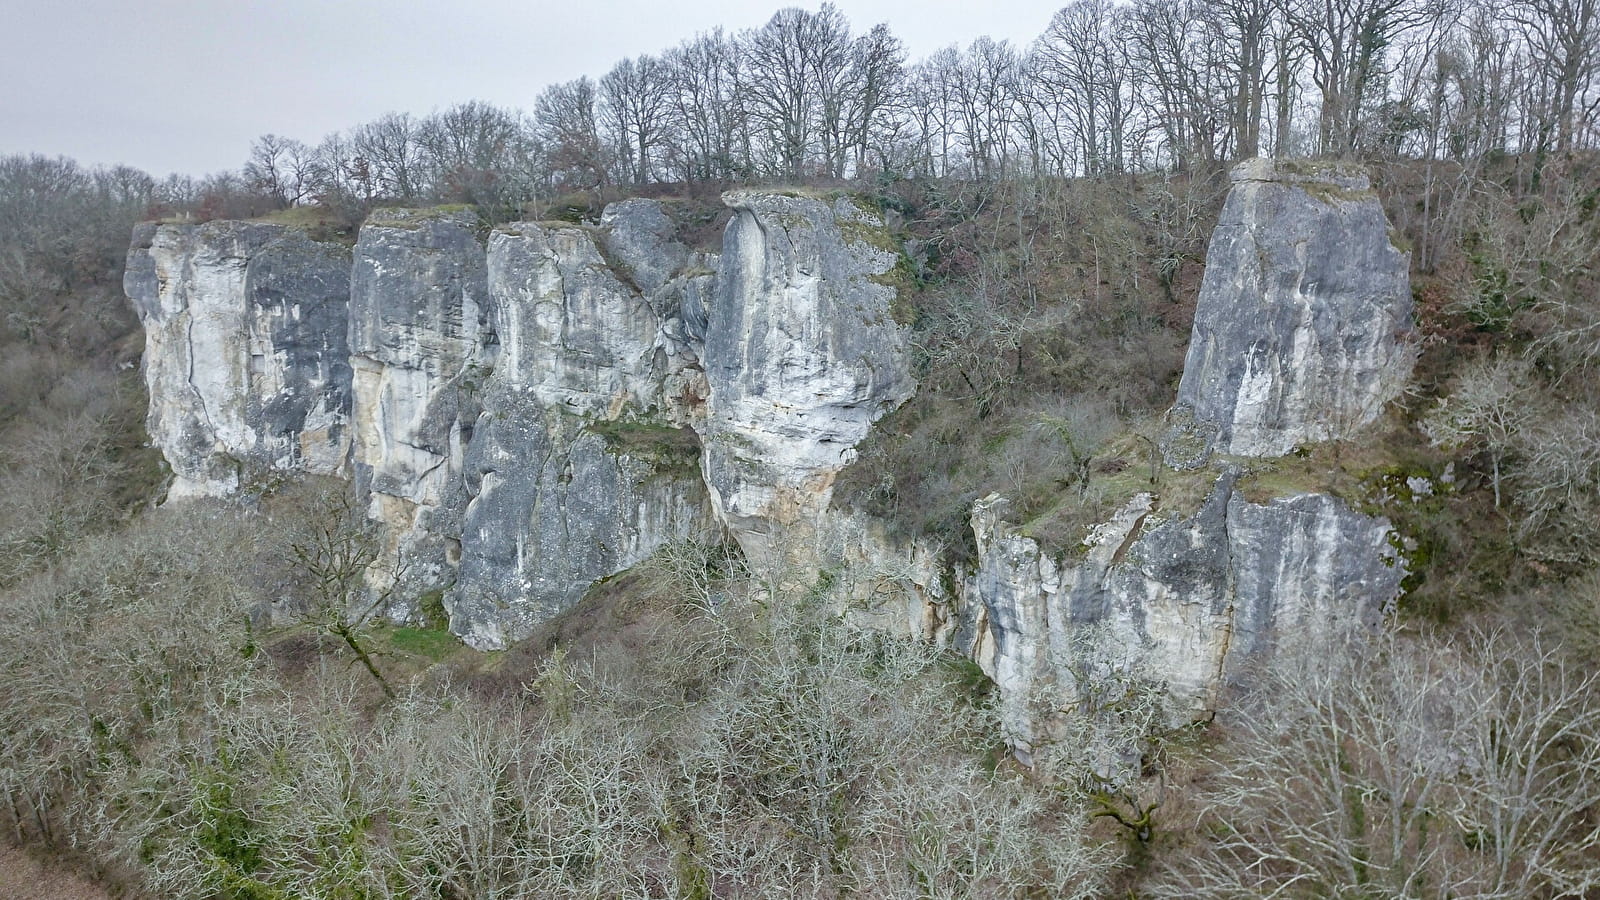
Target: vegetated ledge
[(664, 447)]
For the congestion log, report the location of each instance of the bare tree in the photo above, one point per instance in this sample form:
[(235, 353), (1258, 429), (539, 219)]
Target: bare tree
[(1181, 53), (1082, 58), (1407, 768), (567, 119), (796, 79), (1347, 42), (1563, 39), (983, 86), (705, 120), (392, 147), (477, 153), (1245, 28), (336, 548), (933, 105), (635, 95), (1490, 406), (282, 168), (878, 61)]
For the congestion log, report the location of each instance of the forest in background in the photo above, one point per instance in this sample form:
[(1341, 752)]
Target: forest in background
[(681, 734)]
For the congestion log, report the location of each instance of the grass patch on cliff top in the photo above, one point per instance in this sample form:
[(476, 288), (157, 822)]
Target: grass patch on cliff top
[(319, 223), (1120, 470), (416, 216)]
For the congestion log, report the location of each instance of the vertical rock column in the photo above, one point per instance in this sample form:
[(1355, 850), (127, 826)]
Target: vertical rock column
[(245, 350), (1298, 331), (802, 355), (1298, 337), (421, 343)]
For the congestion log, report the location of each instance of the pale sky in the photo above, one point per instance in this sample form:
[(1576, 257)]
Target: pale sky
[(186, 85)]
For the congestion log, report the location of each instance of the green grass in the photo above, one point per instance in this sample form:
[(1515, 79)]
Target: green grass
[(433, 644)]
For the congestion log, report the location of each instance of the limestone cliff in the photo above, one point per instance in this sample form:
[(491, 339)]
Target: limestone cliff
[(1298, 337), (576, 470), (1299, 328), (802, 355), (245, 355), (421, 343), (536, 407), (1184, 601)]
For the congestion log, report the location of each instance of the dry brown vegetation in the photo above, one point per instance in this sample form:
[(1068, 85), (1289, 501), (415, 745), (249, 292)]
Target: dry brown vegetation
[(1048, 334), (173, 721)]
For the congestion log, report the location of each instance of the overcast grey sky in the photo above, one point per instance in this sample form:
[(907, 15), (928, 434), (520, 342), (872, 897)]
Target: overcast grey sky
[(185, 85)]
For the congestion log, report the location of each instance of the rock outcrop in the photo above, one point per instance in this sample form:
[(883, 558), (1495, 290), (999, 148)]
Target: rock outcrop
[(802, 354), (1182, 601), (577, 469), (1300, 325), (1298, 337), (421, 344), (245, 355), (536, 407)]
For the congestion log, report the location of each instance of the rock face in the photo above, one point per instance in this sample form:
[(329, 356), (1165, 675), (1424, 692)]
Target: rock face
[(245, 350), (421, 344), (1184, 601), (1298, 337), (576, 470), (802, 355), (542, 408), (1298, 332)]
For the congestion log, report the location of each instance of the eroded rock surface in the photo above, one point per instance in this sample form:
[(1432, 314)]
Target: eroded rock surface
[(802, 355), (1299, 332), (1186, 602), (422, 343), (576, 469), (245, 356)]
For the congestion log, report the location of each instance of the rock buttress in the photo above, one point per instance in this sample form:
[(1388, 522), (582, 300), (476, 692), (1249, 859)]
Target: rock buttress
[(246, 357), (421, 343), (1184, 602), (802, 355), (581, 464)]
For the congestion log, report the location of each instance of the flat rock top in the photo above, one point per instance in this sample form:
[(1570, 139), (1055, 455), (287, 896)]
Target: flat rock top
[(1348, 176), (405, 217)]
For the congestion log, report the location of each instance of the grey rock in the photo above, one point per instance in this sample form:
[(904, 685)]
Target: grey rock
[(246, 358), (802, 355), (576, 470), (1299, 332), (572, 333), (557, 507), (640, 241), (1309, 569), (421, 343), (1188, 602)]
